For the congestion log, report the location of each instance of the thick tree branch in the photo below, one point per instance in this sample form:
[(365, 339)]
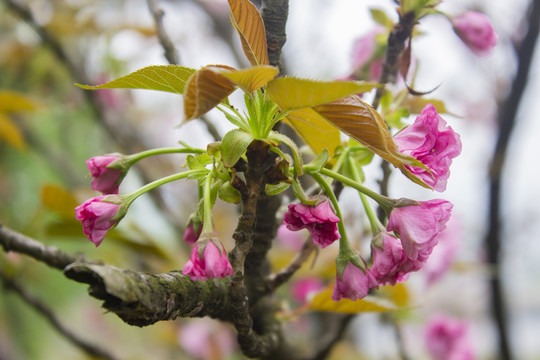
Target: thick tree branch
[(143, 299), (137, 298), (275, 14), (48, 314), (507, 120)]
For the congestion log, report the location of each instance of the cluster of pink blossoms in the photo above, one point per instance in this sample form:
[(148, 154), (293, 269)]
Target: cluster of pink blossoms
[(416, 227)]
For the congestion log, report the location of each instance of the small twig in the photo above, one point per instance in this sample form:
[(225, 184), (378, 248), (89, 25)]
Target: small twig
[(17, 242), (171, 54), (327, 342), (47, 313), (276, 280), (507, 120)]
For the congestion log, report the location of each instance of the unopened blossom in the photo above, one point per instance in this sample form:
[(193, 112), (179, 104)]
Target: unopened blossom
[(419, 225), (354, 283), (319, 220), (476, 31), (448, 339), (212, 263), (431, 141), (106, 179), (97, 215)]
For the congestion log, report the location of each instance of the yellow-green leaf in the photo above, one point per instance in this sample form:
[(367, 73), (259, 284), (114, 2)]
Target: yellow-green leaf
[(11, 101), (253, 78), (322, 301), (248, 23), (314, 130), (10, 133), (416, 104), (170, 78), (205, 89), (293, 93), (360, 121), (59, 200)]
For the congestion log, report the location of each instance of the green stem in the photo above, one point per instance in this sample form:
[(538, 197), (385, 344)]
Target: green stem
[(374, 222), (129, 198), (208, 227), (144, 154), (385, 202)]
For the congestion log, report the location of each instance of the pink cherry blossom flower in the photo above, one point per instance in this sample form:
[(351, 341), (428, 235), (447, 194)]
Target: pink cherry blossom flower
[(390, 263), (366, 60), (433, 143), (97, 215), (354, 284), (213, 262), (476, 31), (419, 225), (106, 179), (292, 240), (319, 220), (444, 253), (448, 339), (303, 288), (190, 235), (206, 338)]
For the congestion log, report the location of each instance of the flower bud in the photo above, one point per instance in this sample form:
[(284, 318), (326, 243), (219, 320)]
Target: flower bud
[(100, 214)]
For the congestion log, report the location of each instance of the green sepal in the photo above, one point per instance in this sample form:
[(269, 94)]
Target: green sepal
[(298, 162), (234, 145), (301, 195), (272, 190)]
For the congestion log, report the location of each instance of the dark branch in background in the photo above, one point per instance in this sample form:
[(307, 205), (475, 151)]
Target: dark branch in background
[(170, 51), (275, 14), (91, 349), (13, 241), (397, 39), (128, 139), (507, 120), (171, 54)]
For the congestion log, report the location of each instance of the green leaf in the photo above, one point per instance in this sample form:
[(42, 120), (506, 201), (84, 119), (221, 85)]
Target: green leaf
[(234, 145), (314, 130), (248, 23), (380, 17), (323, 302), (228, 193), (253, 78), (170, 78), (198, 162), (291, 93)]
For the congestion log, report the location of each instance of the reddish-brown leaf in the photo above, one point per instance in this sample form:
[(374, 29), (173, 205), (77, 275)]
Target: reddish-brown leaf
[(205, 89), (248, 23), (361, 122)]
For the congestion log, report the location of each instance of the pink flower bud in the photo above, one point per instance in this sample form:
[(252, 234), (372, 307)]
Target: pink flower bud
[(97, 215), (354, 284), (319, 220), (212, 263), (106, 179), (476, 31), (448, 339), (419, 225), (433, 143)]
